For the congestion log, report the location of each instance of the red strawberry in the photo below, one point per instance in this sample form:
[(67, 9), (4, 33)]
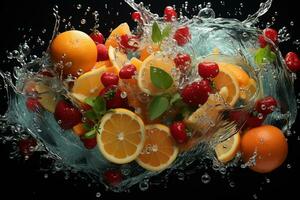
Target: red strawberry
[(89, 143), (26, 146), (261, 39), (178, 131), (97, 37), (183, 61), (271, 34), (136, 16), (170, 14), (182, 35), (208, 70), (109, 78), (33, 105), (127, 71), (113, 177), (129, 42), (292, 61), (112, 95), (266, 105), (67, 115), (196, 93), (102, 52)]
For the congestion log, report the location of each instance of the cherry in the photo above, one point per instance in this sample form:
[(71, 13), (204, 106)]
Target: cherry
[(208, 70), (113, 177), (170, 14), (182, 61), (261, 39), (89, 143), (26, 146), (136, 16), (182, 35), (266, 105), (196, 93), (129, 42), (102, 52), (113, 96), (97, 37), (67, 115), (33, 104), (109, 78), (178, 131), (127, 71), (271, 34), (292, 61)]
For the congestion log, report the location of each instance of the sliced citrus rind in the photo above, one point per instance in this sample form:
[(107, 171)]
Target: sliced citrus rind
[(121, 136), (228, 149), (47, 97), (117, 58), (159, 150), (112, 39)]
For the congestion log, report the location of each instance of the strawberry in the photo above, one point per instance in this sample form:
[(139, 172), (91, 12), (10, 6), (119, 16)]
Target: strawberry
[(178, 131), (67, 115), (271, 34), (196, 93), (136, 16), (112, 96), (109, 78), (183, 61), (113, 177), (170, 14), (97, 37), (208, 70), (89, 143), (292, 61), (127, 71)]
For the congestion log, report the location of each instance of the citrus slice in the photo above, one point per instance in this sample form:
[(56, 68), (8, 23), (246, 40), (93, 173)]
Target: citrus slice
[(121, 136), (117, 58), (226, 78), (47, 97), (89, 84), (144, 80), (159, 150), (241, 76), (248, 91), (112, 39), (148, 50), (136, 62), (227, 149), (105, 63)]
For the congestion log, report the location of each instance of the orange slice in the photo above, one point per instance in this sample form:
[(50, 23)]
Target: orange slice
[(148, 50), (144, 80), (228, 149), (89, 84), (47, 97), (249, 90), (105, 63), (79, 129), (159, 150), (136, 62), (226, 78), (241, 76), (117, 58), (112, 39), (121, 136)]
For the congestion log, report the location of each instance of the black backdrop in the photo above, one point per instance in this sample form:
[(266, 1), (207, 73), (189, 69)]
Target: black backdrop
[(23, 179)]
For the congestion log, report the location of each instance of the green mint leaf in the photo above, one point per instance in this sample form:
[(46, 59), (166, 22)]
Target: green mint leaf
[(160, 78), (264, 54), (158, 106), (89, 135), (99, 105), (176, 97), (90, 101), (156, 33), (166, 31), (87, 127), (90, 114)]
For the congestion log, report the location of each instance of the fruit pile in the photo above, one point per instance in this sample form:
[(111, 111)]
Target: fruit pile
[(137, 101)]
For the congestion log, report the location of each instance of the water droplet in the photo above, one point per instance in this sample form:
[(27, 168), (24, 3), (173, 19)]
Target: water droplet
[(79, 6), (123, 95), (267, 180), (205, 178), (98, 194), (254, 196), (45, 176), (83, 21), (144, 185), (232, 184), (292, 23), (289, 166), (206, 13)]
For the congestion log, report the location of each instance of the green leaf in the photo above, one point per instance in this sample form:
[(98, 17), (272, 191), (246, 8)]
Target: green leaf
[(156, 33), (167, 31), (90, 101), (176, 97), (158, 106), (87, 127), (160, 78), (264, 54), (89, 135), (90, 114), (99, 105)]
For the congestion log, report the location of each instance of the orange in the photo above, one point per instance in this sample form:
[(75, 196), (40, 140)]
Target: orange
[(267, 144), (121, 136), (73, 52), (159, 150), (241, 76), (112, 39), (228, 149), (79, 129), (144, 80), (225, 78), (117, 58), (148, 50), (89, 84)]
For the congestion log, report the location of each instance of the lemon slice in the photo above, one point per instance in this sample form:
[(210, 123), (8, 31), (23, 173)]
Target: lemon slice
[(227, 149)]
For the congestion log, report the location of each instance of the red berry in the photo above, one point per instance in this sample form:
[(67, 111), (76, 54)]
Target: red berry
[(262, 41), (89, 143), (67, 115), (254, 120), (136, 16), (266, 105), (129, 42), (208, 70), (196, 93), (113, 97), (33, 104), (292, 61), (127, 71), (109, 78), (182, 61), (113, 177), (182, 35), (102, 52), (170, 14), (26, 146), (178, 131), (97, 37), (271, 34)]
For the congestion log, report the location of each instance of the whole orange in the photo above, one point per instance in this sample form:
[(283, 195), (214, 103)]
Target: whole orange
[(73, 52), (270, 146)]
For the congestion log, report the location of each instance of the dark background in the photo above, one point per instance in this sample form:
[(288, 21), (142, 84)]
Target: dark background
[(24, 179)]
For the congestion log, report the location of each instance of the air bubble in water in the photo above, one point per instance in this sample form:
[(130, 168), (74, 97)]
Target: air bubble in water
[(144, 185), (123, 95), (83, 21), (205, 178), (98, 194), (46, 176), (206, 13), (79, 6)]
